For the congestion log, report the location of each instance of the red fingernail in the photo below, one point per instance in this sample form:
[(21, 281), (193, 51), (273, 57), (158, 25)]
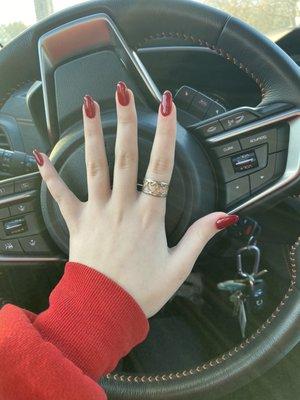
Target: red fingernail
[(166, 103), (38, 157), (225, 222), (89, 106), (123, 94)]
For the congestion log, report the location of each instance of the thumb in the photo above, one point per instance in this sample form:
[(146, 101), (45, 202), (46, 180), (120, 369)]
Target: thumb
[(198, 234)]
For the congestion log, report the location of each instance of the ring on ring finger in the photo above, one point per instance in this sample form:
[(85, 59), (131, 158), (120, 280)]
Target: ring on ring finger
[(155, 188)]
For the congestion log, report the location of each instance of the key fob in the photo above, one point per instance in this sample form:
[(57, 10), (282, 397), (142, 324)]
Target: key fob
[(256, 297)]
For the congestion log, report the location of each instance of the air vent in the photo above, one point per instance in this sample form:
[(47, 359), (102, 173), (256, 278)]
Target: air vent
[(4, 142)]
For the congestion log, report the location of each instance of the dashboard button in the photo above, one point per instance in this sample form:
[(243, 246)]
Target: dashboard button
[(6, 188), (237, 189), (269, 137), (22, 208), (228, 148), (210, 129), (184, 97), (4, 212), (235, 120), (200, 105), (10, 246), (261, 178), (34, 244)]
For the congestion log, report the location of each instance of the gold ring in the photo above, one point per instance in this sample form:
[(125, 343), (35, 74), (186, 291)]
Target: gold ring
[(155, 188)]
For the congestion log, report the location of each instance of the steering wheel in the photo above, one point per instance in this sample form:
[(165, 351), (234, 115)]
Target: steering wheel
[(90, 47)]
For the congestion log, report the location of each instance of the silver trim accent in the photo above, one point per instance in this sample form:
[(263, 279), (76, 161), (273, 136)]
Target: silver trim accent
[(252, 125), (13, 198), (18, 195), (292, 170), (38, 259), (146, 76)]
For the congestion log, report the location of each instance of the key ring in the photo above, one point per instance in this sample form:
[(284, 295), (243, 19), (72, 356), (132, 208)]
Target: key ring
[(252, 249)]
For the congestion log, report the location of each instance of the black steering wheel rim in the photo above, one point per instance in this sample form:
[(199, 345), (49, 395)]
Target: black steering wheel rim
[(278, 78)]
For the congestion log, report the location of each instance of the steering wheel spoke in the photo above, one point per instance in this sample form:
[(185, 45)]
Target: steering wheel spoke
[(23, 236), (256, 154), (87, 54)]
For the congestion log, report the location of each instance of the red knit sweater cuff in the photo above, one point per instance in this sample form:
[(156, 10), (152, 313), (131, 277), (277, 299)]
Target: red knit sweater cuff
[(92, 320)]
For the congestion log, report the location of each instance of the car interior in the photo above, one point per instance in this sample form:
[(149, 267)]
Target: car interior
[(238, 149)]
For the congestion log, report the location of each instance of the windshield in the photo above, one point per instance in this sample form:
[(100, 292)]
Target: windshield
[(275, 18)]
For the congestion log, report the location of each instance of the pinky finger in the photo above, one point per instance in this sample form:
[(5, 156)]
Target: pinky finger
[(67, 201)]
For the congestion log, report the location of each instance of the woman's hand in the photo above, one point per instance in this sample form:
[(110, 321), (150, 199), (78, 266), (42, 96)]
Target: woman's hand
[(126, 228)]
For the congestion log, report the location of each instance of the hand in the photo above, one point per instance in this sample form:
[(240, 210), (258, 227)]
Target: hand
[(126, 228)]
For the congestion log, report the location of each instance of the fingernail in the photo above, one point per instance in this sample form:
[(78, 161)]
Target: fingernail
[(89, 106), (38, 157), (166, 103), (225, 222), (123, 94)]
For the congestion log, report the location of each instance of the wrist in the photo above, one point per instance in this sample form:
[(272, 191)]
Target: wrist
[(92, 320)]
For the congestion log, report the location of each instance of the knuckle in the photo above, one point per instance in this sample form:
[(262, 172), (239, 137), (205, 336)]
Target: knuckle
[(125, 159), (127, 120), (161, 165), (94, 167)]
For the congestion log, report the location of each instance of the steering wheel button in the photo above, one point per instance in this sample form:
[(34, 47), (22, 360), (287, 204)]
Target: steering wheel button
[(237, 189), (261, 178), (22, 208), (235, 120), (215, 109), (34, 244), (200, 105), (244, 161), (184, 97), (232, 167), (228, 148), (282, 138), (4, 212), (269, 137), (25, 184), (14, 226), (210, 129), (10, 246), (6, 188), (280, 164)]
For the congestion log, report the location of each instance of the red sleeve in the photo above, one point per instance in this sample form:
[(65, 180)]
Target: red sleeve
[(90, 324)]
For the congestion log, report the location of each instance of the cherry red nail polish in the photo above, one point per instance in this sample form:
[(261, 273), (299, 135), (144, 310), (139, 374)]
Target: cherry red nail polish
[(89, 106), (123, 94), (225, 222), (166, 103), (38, 157)]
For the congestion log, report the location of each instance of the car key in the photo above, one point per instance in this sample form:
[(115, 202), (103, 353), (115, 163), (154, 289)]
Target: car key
[(239, 311), (232, 285)]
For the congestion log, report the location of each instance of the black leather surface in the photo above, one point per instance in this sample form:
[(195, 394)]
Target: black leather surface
[(163, 22)]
